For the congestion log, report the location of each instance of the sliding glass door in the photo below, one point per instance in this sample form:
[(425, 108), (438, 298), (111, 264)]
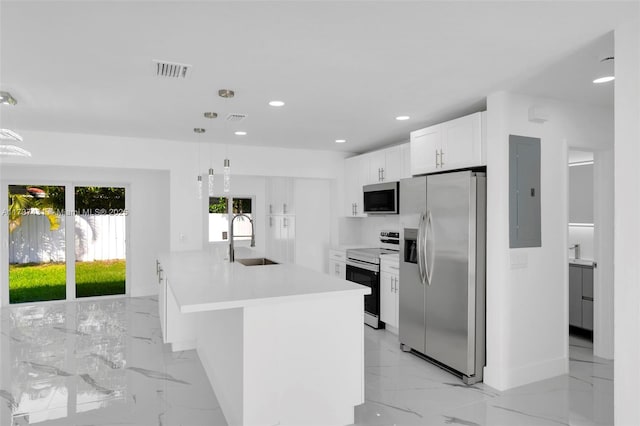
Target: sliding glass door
[(37, 246), (100, 240), (47, 263)]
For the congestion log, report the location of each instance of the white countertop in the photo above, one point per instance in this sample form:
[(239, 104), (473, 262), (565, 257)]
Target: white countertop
[(202, 282), (583, 262)]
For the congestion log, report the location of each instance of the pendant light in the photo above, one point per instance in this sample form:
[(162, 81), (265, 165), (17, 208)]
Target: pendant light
[(210, 183), (199, 131), (227, 175), (199, 187)]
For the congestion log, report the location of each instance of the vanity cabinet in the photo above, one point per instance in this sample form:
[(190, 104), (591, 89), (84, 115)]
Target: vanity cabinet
[(451, 145), (389, 287), (581, 296)]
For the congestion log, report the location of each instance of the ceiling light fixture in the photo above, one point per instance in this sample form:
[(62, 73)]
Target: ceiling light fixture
[(227, 175), (341, 140), (241, 133), (605, 70), (7, 99), (13, 151), (210, 114), (402, 117), (605, 79), (8, 134), (226, 93), (276, 103), (199, 130)]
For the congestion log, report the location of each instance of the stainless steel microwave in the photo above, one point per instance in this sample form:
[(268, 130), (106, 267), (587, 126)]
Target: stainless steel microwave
[(381, 198)]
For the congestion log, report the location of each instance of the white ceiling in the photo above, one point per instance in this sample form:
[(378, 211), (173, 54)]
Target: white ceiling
[(344, 69)]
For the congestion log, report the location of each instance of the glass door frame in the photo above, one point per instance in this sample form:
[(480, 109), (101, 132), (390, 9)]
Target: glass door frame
[(69, 222)]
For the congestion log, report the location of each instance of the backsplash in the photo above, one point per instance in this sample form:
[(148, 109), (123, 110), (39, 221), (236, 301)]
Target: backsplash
[(366, 230)]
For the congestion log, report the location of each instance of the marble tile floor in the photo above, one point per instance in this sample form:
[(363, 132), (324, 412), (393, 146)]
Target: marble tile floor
[(99, 363), (403, 389)]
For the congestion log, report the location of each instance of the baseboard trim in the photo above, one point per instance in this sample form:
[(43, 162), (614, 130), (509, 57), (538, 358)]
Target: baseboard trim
[(503, 379)]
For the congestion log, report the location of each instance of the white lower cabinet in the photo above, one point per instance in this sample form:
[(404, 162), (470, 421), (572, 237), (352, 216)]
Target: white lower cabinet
[(389, 285), (337, 265), (177, 329)]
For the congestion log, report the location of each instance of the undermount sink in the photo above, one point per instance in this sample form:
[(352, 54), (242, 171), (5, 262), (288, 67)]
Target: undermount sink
[(257, 261)]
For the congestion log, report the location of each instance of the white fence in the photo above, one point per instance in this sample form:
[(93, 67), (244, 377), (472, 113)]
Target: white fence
[(97, 237)]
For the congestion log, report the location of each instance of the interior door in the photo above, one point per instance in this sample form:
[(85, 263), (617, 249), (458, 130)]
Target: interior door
[(450, 297)]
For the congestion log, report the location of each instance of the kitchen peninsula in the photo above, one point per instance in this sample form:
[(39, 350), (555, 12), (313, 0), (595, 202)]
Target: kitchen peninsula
[(267, 336)]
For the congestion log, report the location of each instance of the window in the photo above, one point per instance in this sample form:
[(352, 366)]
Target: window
[(220, 215)]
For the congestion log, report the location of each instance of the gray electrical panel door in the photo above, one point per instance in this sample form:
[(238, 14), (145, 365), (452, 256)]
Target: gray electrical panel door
[(524, 192)]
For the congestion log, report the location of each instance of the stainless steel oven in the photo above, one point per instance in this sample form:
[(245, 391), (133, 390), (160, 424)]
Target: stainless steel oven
[(367, 274)]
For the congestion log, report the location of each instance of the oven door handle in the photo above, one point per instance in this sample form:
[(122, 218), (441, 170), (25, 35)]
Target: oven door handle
[(363, 265)]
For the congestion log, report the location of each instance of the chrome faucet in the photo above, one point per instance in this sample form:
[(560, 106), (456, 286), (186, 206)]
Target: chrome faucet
[(577, 252), (232, 255)]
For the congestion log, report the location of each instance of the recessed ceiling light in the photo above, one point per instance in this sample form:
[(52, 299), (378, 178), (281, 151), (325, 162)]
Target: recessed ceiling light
[(604, 79), (226, 93), (241, 133), (605, 70), (276, 103), (199, 130), (341, 140), (402, 117), (7, 99), (210, 114)]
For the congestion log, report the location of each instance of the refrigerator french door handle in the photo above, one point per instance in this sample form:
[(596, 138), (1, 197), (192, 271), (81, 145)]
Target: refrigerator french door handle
[(420, 248), (429, 264)]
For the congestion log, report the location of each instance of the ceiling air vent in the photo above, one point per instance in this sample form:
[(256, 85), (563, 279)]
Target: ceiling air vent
[(171, 69), (236, 117)]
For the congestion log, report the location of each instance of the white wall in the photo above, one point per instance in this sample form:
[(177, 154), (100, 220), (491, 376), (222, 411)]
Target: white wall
[(147, 201), (627, 224), (106, 156), (184, 161), (523, 344)]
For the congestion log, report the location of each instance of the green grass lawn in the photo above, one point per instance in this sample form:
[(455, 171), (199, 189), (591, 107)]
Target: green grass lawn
[(37, 282)]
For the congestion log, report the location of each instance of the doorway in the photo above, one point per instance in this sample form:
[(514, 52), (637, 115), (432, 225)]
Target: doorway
[(590, 238), (66, 242)]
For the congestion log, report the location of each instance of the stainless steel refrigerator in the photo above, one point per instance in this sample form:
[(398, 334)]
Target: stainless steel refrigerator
[(442, 270)]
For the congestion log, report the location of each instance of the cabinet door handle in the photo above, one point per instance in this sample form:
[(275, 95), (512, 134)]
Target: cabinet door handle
[(441, 158), (270, 208), (284, 208), (270, 222), (337, 267), (437, 162), (355, 205), (284, 222)]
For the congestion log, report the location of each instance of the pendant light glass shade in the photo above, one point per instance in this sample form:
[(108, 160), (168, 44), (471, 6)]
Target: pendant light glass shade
[(227, 175), (210, 183), (199, 187)]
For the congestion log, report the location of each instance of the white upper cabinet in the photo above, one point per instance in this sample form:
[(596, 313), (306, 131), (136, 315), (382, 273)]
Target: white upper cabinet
[(451, 145), (405, 161), (280, 195), (356, 175), (384, 165)]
